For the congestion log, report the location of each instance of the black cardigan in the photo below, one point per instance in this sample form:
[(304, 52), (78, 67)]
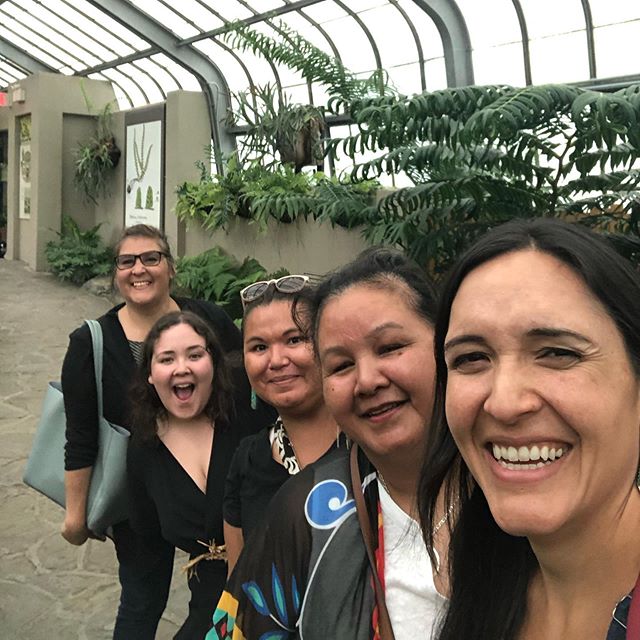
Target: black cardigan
[(78, 382)]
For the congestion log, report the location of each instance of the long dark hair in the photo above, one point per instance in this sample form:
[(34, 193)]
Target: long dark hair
[(381, 267), (489, 569), (146, 405)]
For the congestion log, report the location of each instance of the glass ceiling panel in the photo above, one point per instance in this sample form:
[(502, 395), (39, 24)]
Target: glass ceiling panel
[(571, 48), (135, 96), (550, 17), (617, 49), (484, 36), (233, 10), (166, 80), (436, 73), (501, 64), (98, 25), (388, 29), (72, 35), (325, 12), (10, 67), (166, 16), (429, 36), (152, 92), (351, 41), (606, 12), (301, 24), (186, 79)]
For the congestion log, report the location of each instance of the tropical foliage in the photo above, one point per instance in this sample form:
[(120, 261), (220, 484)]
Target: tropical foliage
[(259, 193), (78, 256), (478, 156), (278, 129), (95, 158), (214, 275)]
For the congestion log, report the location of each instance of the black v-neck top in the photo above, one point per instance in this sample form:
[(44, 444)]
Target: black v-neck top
[(165, 500)]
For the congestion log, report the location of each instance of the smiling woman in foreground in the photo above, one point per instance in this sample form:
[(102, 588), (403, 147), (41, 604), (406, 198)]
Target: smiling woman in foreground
[(537, 415)]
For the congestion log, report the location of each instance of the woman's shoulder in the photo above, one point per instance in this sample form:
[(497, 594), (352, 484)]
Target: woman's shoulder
[(108, 322), (201, 307)]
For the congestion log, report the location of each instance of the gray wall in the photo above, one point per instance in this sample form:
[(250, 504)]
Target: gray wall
[(60, 119)]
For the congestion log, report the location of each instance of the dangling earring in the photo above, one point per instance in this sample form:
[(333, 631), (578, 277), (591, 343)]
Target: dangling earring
[(254, 400)]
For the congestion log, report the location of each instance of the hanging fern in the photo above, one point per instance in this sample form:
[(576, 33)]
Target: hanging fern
[(296, 52)]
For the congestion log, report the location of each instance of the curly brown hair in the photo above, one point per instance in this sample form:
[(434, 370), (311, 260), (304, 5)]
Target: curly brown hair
[(147, 407)]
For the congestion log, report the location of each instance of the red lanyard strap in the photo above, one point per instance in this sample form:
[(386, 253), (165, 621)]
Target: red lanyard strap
[(633, 620), (384, 623)]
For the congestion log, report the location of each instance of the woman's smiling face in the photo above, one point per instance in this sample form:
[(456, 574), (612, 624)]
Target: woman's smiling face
[(376, 355), (279, 360), (541, 396), (182, 371)]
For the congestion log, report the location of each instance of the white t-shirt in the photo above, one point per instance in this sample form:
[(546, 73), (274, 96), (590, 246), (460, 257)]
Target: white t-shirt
[(410, 593)]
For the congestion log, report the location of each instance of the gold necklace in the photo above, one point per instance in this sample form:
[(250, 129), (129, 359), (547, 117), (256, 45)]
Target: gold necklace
[(440, 522)]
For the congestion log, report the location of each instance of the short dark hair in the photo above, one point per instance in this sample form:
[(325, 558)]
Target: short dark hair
[(147, 231), (381, 267), (490, 570), (146, 405)]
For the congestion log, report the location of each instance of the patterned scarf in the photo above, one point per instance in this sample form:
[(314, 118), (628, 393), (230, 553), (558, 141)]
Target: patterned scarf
[(284, 447)]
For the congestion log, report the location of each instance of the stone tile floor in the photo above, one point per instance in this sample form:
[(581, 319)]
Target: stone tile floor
[(48, 588)]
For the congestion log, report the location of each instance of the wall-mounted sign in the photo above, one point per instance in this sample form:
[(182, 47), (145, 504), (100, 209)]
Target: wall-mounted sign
[(24, 189), (144, 172)]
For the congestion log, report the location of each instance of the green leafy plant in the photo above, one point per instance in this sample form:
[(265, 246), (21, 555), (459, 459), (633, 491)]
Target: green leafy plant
[(97, 157), (216, 199), (296, 52), (478, 156), (260, 193), (278, 129), (78, 256), (214, 275)]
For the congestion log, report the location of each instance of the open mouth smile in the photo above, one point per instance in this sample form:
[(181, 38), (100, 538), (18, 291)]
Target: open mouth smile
[(184, 391), (526, 457)]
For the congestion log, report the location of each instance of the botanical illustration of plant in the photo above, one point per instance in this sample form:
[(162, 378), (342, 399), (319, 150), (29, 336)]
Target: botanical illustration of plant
[(149, 201), (140, 160), (138, 198)]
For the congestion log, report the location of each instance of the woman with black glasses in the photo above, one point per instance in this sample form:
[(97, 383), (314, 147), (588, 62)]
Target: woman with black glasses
[(143, 274), (283, 371)]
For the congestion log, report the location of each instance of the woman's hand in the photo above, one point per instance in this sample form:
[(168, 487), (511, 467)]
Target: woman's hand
[(74, 528), (77, 532), (74, 532)]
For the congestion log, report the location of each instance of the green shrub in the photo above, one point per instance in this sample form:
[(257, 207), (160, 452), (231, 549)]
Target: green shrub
[(78, 256), (216, 276)]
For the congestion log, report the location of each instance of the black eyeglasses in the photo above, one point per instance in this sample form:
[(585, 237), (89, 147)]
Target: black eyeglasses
[(286, 284), (148, 259)]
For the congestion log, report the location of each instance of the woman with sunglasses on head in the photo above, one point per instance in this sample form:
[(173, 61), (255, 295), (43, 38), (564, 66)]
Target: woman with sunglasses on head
[(536, 437), (283, 372), (143, 273), (309, 573)]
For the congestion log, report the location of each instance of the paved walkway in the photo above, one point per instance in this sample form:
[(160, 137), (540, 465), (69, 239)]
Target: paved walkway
[(48, 588)]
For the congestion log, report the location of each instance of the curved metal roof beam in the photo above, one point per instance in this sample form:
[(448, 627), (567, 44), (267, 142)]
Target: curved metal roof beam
[(367, 33), (84, 49), (455, 39), (416, 37), (591, 46), (212, 82), (22, 59), (524, 34), (235, 55)]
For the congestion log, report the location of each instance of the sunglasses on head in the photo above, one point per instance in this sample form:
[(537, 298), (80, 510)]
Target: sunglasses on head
[(148, 259), (286, 284)]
